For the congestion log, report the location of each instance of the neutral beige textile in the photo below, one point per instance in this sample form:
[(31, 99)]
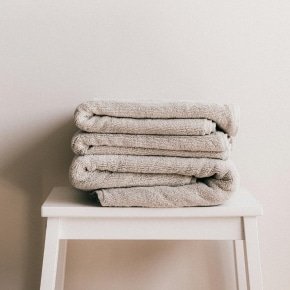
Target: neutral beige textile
[(165, 181), (215, 145), (178, 118), (197, 194)]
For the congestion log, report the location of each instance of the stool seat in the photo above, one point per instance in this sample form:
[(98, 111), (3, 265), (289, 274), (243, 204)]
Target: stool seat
[(71, 215), (69, 202)]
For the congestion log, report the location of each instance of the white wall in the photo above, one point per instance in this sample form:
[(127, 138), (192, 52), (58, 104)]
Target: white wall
[(55, 54)]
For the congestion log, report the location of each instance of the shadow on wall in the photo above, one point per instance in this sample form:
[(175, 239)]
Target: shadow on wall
[(150, 265), (25, 182)]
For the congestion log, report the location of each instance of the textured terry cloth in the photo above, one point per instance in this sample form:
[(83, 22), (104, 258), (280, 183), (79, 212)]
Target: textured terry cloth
[(180, 118), (215, 145), (150, 181), (196, 194)]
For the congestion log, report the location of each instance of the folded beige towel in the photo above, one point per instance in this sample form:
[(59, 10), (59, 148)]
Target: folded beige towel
[(149, 181), (180, 118), (198, 194), (215, 145)]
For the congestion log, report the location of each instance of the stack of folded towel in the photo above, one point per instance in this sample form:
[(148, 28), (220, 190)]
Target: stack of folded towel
[(155, 154)]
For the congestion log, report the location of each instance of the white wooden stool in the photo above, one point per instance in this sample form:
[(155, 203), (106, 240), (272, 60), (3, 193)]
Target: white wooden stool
[(71, 216)]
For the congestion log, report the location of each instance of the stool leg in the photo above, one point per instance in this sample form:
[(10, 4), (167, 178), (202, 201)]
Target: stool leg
[(51, 253), (252, 254), (237, 265), (61, 265), (239, 258)]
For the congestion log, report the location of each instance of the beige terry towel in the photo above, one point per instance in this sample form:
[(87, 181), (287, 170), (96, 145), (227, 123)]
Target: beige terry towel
[(150, 181), (180, 118), (197, 194), (215, 145)]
